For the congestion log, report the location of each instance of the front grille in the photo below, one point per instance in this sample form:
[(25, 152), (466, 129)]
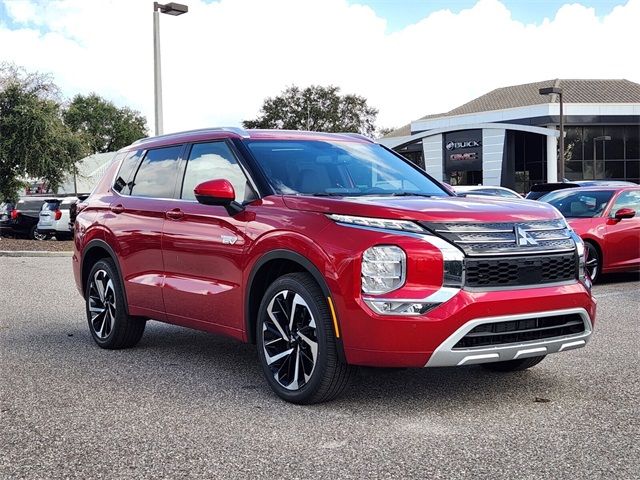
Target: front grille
[(513, 238), (520, 271), (517, 331)]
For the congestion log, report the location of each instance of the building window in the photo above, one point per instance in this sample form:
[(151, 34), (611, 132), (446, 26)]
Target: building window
[(609, 152)]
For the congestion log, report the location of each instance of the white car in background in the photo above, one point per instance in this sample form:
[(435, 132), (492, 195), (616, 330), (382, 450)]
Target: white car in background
[(54, 218), (486, 190)]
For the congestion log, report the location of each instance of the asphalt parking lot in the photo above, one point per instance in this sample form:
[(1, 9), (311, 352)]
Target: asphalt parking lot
[(185, 404)]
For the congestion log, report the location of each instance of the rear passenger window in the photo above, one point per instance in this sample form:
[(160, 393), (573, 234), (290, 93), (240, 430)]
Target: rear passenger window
[(127, 169), (156, 176), (212, 161)]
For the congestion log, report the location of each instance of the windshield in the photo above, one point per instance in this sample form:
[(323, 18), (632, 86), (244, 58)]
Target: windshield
[(328, 168), (579, 203)]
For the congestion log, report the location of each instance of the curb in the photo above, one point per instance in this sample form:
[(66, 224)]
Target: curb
[(26, 253)]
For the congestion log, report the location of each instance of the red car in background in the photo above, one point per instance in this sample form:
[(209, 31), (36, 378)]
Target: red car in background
[(608, 220)]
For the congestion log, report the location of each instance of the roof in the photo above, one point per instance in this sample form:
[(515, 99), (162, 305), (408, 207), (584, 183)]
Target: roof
[(240, 133), (573, 91)]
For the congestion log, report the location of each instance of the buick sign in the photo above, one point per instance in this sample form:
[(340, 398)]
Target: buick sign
[(464, 144)]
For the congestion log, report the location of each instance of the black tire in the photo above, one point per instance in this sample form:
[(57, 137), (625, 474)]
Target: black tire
[(513, 365), (315, 382), (115, 328), (34, 235), (593, 261)]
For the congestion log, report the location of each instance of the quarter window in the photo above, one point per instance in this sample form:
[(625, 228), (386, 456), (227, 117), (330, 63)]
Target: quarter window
[(212, 161), (157, 174), (127, 169)]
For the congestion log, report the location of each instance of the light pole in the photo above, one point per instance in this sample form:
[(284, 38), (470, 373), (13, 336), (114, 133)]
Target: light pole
[(604, 138), (174, 9), (558, 91)]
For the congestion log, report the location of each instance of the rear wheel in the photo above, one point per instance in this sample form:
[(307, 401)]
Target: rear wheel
[(296, 344), (35, 235), (110, 325), (513, 365), (592, 261)]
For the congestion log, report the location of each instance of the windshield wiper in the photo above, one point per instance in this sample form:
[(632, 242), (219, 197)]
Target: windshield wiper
[(410, 194)]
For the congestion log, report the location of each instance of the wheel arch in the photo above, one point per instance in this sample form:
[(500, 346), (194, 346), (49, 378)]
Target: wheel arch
[(266, 269), (94, 251)]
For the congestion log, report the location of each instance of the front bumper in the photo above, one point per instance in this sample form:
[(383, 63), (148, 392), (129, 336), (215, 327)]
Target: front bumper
[(427, 340), (448, 356)]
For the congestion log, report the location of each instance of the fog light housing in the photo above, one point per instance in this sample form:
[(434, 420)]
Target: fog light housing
[(403, 307), (383, 269)]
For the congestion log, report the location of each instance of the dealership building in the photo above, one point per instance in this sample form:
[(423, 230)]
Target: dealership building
[(509, 136)]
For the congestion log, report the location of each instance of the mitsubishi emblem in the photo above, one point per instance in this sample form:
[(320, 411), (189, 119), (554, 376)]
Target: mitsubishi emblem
[(522, 237)]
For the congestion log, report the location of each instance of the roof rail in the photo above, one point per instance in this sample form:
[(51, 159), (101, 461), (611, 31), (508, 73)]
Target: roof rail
[(358, 135), (237, 130)]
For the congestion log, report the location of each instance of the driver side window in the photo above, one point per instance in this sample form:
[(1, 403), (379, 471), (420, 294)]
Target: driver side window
[(629, 199), (214, 160)]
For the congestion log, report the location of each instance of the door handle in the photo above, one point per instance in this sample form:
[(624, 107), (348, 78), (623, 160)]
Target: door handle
[(175, 214), (117, 208)]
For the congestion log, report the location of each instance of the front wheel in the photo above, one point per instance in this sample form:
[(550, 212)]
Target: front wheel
[(513, 365), (592, 261), (296, 343)]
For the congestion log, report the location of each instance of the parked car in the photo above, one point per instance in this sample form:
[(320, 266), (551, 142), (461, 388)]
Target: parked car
[(540, 189), (21, 219), (608, 220), (73, 211), (486, 190), (55, 218), (327, 251)]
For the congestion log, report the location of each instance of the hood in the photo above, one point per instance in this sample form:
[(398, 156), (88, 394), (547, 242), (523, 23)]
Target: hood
[(434, 209)]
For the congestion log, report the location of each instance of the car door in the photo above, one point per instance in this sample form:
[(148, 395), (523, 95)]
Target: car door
[(144, 191), (622, 244), (202, 246)]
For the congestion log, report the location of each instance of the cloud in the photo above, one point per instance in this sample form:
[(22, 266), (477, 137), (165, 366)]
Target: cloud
[(223, 58)]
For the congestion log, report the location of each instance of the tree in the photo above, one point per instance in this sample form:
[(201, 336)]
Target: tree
[(34, 141), (104, 126), (317, 108)]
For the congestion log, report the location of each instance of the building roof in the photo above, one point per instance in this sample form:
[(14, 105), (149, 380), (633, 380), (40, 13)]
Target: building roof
[(574, 91), (90, 171)]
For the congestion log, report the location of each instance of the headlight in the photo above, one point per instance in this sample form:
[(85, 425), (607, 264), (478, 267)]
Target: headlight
[(383, 269), (383, 223)]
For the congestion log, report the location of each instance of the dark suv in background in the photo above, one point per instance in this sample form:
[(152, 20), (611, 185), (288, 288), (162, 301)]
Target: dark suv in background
[(21, 219)]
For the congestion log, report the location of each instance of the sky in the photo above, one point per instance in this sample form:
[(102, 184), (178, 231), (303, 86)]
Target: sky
[(408, 58)]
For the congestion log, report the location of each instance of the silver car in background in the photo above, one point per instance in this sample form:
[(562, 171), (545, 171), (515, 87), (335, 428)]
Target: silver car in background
[(54, 218)]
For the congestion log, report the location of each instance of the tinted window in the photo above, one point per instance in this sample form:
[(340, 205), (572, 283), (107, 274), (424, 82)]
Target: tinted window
[(51, 206), (156, 176), (212, 161), (580, 203), (313, 167), (127, 169)]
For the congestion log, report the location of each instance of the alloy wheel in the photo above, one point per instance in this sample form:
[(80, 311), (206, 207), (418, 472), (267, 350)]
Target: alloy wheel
[(289, 340), (592, 262), (102, 304)]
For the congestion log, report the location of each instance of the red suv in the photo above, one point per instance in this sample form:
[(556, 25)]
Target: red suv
[(327, 251)]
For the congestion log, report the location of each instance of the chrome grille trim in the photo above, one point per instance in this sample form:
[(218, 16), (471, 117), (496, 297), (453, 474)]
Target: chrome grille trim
[(490, 239)]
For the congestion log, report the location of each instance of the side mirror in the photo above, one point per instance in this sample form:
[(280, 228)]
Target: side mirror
[(218, 192), (625, 213)]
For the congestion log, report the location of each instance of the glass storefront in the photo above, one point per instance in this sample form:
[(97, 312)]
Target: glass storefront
[(529, 159), (603, 152)]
